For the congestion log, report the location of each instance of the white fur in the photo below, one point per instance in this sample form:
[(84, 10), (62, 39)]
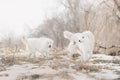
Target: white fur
[(82, 42), (41, 45)]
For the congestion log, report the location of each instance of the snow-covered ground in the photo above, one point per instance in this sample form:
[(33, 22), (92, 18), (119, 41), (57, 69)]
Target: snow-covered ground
[(59, 67)]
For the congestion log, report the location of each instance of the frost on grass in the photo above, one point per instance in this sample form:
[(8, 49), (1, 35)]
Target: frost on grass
[(59, 67)]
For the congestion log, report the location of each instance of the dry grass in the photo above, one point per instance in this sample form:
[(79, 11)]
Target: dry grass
[(57, 62), (102, 61), (5, 74), (114, 51), (59, 52), (2, 68), (87, 68), (114, 61), (117, 79), (29, 77), (63, 75)]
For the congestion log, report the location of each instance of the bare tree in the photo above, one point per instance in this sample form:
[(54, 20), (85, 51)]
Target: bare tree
[(101, 19)]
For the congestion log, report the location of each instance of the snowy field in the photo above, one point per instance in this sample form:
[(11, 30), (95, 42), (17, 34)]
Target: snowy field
[(58, 67)]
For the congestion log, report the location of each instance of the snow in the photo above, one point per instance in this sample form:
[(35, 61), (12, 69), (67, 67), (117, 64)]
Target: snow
[(17, 70), (62, 68), (103, 57), (106, 74), (80, 76)]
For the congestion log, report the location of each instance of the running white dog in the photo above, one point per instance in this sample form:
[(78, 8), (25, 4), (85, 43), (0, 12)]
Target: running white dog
[(42, 45), (82, 42)]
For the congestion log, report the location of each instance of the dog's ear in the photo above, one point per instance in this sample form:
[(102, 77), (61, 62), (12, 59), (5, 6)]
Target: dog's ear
[(87, 33), (67, 34), (52, 41)]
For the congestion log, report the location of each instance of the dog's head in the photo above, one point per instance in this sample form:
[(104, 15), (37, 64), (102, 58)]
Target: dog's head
[(78, 38), (50, 43)]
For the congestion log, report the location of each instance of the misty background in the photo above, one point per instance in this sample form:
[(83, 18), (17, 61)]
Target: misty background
[(36, 18)]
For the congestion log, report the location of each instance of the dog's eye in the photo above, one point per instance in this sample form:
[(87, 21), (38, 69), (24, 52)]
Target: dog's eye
[(79, 41), (83, 37)]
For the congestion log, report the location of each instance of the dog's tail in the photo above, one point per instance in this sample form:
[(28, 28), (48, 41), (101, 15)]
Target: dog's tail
[(24, 39), (25, 42)]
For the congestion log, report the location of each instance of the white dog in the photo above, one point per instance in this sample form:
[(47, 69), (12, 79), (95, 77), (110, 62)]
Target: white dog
[(82, 42), (42, 45)]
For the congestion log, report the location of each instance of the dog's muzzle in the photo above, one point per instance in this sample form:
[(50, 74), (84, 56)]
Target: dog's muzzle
[(49, 46)]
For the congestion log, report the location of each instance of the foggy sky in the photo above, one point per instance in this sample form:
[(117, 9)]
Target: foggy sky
[(16, 14)]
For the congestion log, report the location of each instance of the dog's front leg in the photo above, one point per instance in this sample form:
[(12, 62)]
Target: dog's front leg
[(71, 50)]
